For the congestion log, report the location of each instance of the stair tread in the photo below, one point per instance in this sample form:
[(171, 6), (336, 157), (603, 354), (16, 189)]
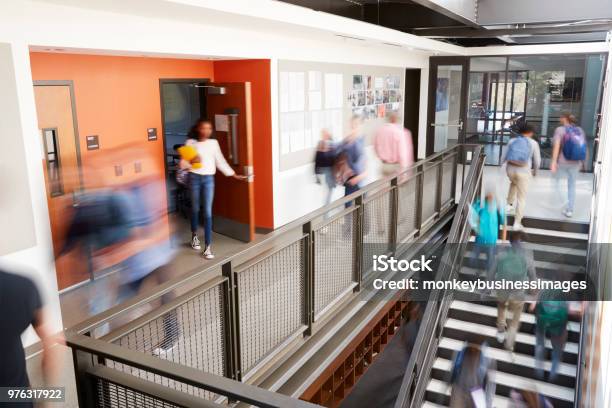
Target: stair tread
[(526, 317), (496, 354), (545, 247), (441, 387), (518, 382), (490, 331)]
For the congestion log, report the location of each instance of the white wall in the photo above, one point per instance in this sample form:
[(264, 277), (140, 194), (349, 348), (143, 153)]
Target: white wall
[(20, 138)]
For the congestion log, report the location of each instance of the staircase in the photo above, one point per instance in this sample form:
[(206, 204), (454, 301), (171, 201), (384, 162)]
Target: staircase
[(559, 250)]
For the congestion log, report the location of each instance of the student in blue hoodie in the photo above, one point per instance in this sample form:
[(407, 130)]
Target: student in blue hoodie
[(486, 219)]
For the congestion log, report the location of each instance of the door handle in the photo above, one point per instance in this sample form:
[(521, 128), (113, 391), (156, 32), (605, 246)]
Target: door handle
[(250, 175), (458, 125)]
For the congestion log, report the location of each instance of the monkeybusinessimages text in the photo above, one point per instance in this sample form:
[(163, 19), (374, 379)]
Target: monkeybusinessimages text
[(385, 263)]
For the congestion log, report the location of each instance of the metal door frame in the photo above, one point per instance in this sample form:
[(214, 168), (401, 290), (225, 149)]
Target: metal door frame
[(434, 63)]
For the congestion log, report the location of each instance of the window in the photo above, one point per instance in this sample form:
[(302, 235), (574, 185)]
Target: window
[(52, 157)]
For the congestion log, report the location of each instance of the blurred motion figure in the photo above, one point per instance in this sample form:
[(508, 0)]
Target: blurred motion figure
[(393, 145)]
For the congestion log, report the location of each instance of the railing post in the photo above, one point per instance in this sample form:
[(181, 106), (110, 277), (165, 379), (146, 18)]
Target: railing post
[(359, 228), (439, 181), (309, 276), (394, 213), (86, 392), (231, 318), (454, 177), (419, 198)]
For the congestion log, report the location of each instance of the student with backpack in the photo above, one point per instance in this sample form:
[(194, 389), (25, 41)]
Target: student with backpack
[(522, 158), (552, 314), (568, 156), (514, 264), (486, 219), (472, 378)]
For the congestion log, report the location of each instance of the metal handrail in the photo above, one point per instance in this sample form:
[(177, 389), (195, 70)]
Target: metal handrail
[(416, 373), (259, 245), (89, 349)]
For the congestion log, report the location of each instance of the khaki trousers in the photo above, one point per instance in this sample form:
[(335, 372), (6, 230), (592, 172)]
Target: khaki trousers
[(390, 169), (518, 190), (516, 308)]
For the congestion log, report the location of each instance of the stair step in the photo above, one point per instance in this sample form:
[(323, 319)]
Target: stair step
[(442, 389), (491, 311), (525, 343), (552, 224), (519, 364), (509, 381)]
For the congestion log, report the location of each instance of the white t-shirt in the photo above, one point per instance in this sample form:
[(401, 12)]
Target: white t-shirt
[(211, 158)]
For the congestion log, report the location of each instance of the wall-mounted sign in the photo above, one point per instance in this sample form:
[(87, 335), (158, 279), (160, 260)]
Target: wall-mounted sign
[(221, 123), (92, 142), (152, 134)]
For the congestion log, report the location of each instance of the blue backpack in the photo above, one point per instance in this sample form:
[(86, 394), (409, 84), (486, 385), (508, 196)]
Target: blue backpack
[(574, 144), (519, 151)]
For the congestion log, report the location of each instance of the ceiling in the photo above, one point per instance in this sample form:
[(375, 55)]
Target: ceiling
[(473, 23)]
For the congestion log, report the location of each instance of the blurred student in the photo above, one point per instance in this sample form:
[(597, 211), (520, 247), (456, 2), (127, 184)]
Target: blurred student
[(472, 378), (528, 399), (202, 180), (350, 164), (22, 307), (513, 264), (568, 156), (324, 163), (552, 314), (393, 146), (486, 219), (522, 158)]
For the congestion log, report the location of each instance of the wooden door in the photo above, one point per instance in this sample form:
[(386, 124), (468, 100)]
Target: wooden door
[(233, 208), (61, 164)]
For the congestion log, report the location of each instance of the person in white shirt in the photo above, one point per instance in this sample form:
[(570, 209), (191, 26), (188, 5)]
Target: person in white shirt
[(202, 180)]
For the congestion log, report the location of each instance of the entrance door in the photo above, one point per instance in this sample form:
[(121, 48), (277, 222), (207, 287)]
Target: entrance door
[(447, 95), (61, 164), (229, 108)]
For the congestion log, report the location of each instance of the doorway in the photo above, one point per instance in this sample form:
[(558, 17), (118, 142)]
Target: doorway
[(412, 101), (59, 138), (446, 106), (228, 107)]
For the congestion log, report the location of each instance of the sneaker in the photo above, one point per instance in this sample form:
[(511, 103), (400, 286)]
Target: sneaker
[(208, 253), (568, 213), (501, 336), (517, 226), (509, 209), (195, 243)]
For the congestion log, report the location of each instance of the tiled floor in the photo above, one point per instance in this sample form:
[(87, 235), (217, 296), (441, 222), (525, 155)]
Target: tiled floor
[(544, 198), (74, 303)]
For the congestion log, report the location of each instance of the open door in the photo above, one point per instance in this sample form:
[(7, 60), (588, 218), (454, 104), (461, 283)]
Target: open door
[(229, 108), (61, 164)]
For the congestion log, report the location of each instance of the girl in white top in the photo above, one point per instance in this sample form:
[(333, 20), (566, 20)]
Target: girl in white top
[(202, 180)]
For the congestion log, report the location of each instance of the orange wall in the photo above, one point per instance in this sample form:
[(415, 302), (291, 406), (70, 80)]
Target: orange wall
[(258, 73), (117, 98)]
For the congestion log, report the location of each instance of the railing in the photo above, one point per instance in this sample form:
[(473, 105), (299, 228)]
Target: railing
[(423, 353), (231, 323)]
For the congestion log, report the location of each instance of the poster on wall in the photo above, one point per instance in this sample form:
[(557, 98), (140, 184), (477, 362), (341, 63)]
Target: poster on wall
[(369, 82), (379, 82)]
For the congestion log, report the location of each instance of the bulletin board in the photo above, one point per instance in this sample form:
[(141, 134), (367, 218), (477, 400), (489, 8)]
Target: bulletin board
[(315, 96)]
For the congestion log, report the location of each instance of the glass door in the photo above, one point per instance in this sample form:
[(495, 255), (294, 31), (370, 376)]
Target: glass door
[(446, 110)]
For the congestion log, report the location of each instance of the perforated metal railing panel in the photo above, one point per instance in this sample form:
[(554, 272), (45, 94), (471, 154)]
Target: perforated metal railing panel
[(430, 184), (407, 209), (376, 228), (333, 260), (448, 168), (192, 334), (110, 395), (270, 302)]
